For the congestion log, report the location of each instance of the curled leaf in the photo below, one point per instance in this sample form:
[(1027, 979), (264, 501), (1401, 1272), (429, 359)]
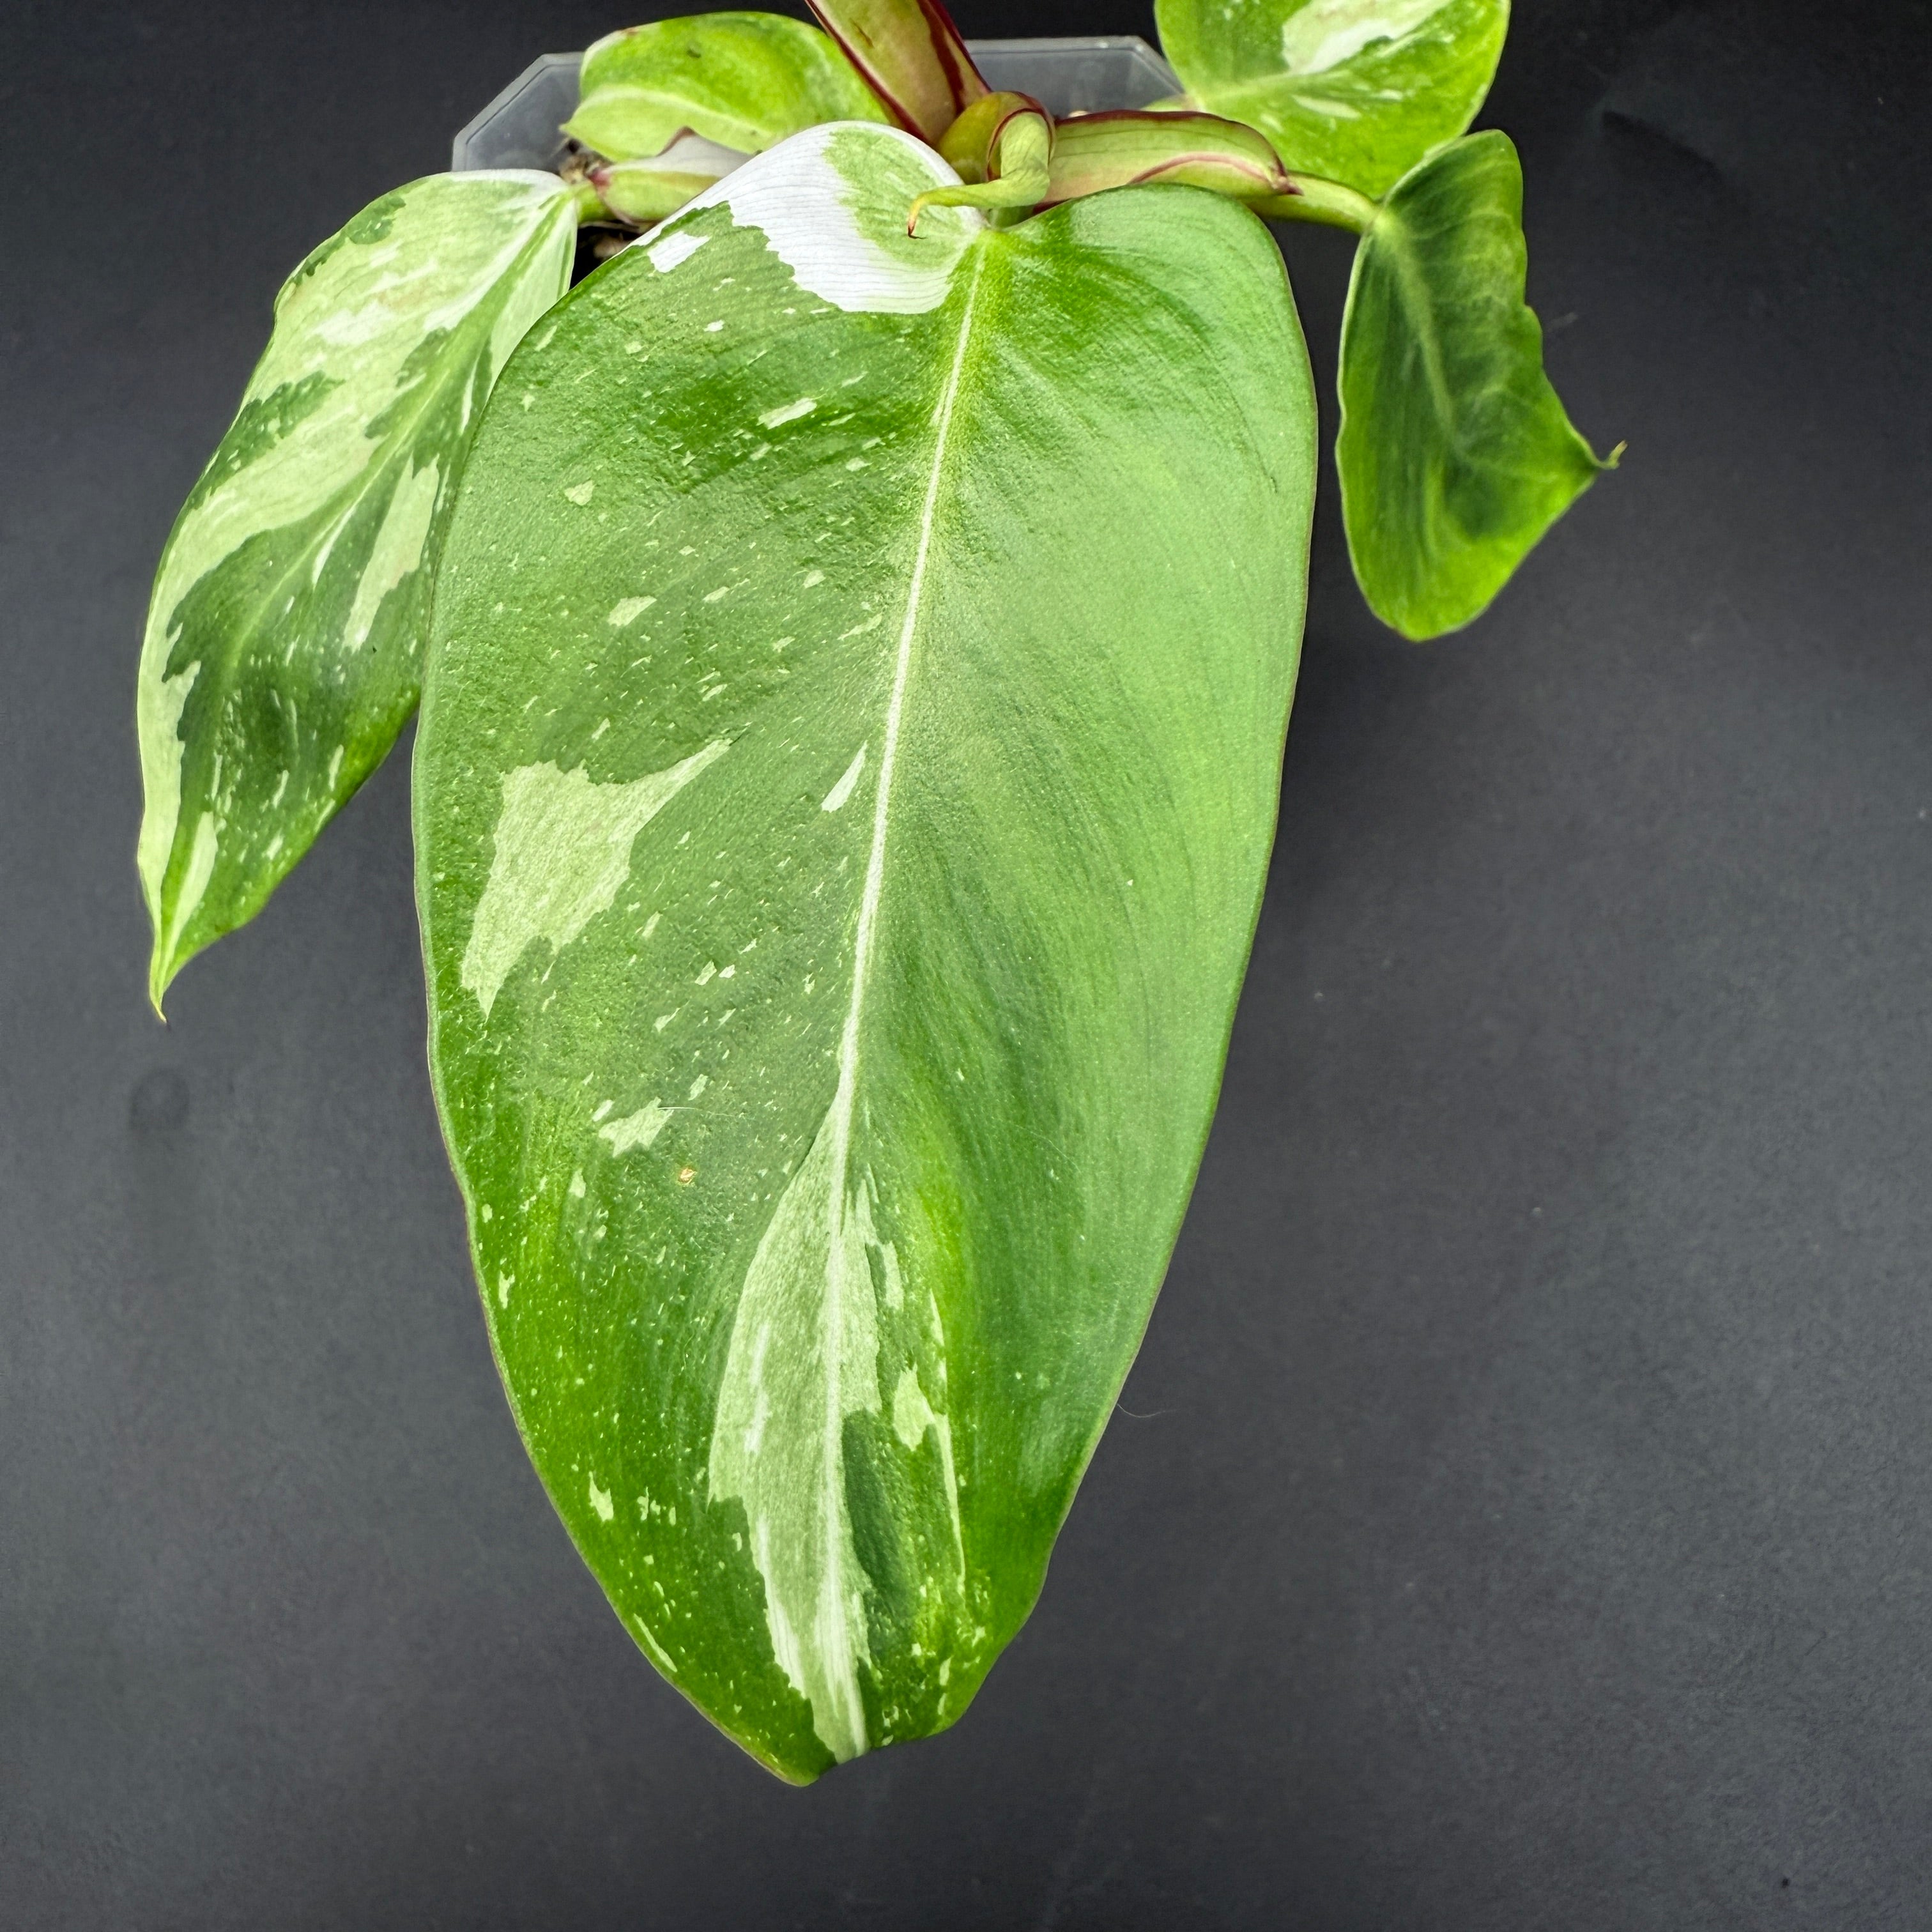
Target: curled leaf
[(912, 57), (1455, 455), (1000, 147), (742, 80), (648, 189), (1352, 91), (1093, 152)]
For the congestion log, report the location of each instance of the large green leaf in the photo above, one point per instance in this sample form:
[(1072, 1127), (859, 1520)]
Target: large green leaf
[(1454, 455), (1356, 91), (284, 638), (847, 775), (743, 80)]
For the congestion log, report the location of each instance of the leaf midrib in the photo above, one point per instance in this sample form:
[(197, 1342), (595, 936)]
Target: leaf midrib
[(845, 1096)]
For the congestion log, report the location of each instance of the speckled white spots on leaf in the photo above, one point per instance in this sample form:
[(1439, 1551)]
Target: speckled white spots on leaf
[(200, 870), (636, 1130), (789, 412), (653, 1649), (463, 266), (843, 789)]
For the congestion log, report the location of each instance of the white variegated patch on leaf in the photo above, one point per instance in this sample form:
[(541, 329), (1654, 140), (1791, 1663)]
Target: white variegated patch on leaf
[(284, 640), (848, 767), (1352, 91)]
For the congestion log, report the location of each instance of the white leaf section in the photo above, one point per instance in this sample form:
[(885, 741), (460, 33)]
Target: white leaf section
[(201, 859), (562, 849), (382, 340), (398, 549), (840, 793), (789, 413), (841, 230), (357, 297), (804, 1350), (667, 254), (692, 154), (638, 1130), (158, 705), (1326, 33)]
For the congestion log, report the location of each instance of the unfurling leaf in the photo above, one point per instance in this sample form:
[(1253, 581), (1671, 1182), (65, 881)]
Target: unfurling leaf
[(284, 639), (647, 190), (1000, 147), (1354, 90), (742, 80), (1093, 152), (1454, 455), (830, 977), (912, 57)]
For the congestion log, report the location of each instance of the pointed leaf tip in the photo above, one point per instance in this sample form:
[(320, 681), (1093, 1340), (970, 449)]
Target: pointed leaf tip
[(833, 1113), (285, 628), (1455, 455)]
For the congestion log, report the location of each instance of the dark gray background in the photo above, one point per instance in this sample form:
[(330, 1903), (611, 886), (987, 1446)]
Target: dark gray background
[(1524, 1518)]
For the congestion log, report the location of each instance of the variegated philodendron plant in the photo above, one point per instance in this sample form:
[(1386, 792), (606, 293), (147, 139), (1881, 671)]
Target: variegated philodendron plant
[(854, 630)]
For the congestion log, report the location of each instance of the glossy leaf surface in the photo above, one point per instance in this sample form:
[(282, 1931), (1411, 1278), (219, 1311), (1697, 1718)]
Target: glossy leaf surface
[(845, 784), (1356, 91), (743, 80), (911, 55), (1455, 455), (284, 640)]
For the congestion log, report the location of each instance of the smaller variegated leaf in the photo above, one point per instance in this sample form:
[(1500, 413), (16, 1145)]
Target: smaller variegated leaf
[(284, 639), (743, 80), (1354, 90), (1455, 455)]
